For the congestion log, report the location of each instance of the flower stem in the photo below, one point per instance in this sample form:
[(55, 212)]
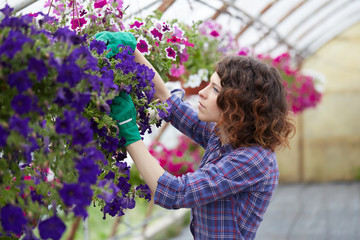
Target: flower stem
[(73, 229)]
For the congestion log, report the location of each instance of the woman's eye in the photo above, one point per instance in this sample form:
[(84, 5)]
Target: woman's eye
[(215, 89)]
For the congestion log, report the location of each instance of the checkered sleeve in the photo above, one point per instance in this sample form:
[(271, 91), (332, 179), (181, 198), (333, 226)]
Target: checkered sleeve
[(238, 171), (184, 118)]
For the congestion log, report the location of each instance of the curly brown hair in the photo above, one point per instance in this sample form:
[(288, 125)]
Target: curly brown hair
[(253, 104)]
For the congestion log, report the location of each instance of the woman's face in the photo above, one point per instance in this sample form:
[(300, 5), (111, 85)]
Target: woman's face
[(208, 109)]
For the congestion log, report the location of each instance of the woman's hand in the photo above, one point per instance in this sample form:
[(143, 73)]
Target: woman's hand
[(123, 111), (114, 39)]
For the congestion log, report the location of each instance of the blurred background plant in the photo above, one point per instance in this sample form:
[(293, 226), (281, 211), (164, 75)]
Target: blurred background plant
[(182, 159)]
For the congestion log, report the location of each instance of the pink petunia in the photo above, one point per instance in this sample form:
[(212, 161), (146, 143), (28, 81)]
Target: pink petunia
[(165, 27), (77, 22), (100, 4), (156, 34), (178, 32), (33, 14), (47, 3), (136, 24), (184, 56), (243, 51), (177, 71), (60, 10), (214, 33), (170, 53), (187, 43), (143, 46), (173, 39)]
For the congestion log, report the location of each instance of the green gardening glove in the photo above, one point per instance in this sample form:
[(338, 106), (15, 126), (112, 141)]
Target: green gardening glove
[(123, 111), (114, 39)]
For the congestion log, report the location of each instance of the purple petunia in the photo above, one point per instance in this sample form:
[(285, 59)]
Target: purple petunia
[(3, 136), (70, 73), (13, 43), (109, 190), (29, 235), (83, 53), (64, 96), (128, 203), (124, 185), (88, 170), (38, 67), (82, 133), (110, 144), (80, 101), (144, 191), (20, 125), (65, 35), (65, 125), (21, 104), (113, 208), (52, 228), (94, 153), (99, 46), (12, 219), (123, 168), (76, 194), (20, 80), (7, 10), (107, 80)]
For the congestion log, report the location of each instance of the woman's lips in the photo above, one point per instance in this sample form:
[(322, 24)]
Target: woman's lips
[(200, 105)]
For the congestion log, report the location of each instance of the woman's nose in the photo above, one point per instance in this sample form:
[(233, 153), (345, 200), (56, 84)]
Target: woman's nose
[(201, 93)]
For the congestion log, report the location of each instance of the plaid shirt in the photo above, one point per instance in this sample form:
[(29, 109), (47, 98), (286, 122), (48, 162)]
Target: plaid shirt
[(230, 191)]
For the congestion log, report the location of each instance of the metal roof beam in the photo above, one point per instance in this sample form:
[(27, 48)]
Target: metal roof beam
[(165, 5), (305, 19), (253, 20), (280, 21)]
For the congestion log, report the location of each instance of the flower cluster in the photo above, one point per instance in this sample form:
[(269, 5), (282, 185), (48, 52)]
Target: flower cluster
[(164, 44), (56, 90), (302, 89), (184, 158), (210, 43), (88, 17)]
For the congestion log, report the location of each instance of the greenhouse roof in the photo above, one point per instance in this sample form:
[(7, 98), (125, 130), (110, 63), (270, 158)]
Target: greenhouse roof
[(264, 26)]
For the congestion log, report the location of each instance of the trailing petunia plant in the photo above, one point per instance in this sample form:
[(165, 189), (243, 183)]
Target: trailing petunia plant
[(164, 43), (182, 159), (304, 90), (59, 149)]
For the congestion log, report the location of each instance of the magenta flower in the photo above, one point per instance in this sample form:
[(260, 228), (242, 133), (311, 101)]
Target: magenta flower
[(187, 43), (165, 27), (178, 32), (77, 22), (143, 46), (170, 53), (177, 71), (136, 24), (243, 51), (156, 34), (174, 39), (100, 4), (214, 33)]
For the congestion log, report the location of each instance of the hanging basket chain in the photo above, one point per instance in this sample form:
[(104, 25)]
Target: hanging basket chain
[(50, 7)]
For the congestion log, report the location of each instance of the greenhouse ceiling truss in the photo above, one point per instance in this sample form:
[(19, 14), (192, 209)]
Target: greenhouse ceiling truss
[(299, 27)]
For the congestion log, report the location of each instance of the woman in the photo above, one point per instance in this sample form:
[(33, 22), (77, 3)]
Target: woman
[(241, 120)]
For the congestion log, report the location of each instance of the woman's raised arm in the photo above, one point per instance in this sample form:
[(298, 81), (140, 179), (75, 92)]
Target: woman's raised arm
[(161, 91)]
